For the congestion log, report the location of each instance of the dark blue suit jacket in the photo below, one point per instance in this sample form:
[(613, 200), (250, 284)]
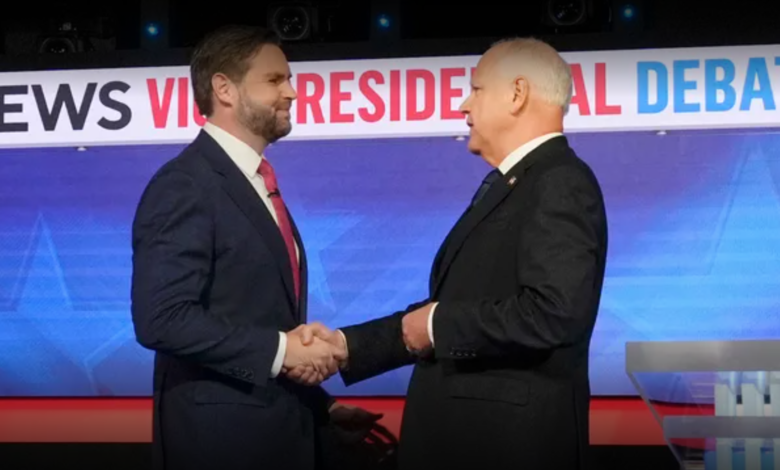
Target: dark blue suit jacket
[(212, 286)]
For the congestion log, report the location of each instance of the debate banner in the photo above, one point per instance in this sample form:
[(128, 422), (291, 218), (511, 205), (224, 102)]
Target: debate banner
[(657, 89)]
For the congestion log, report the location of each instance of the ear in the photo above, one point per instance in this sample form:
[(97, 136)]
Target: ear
[(224, 89), (520, 90)]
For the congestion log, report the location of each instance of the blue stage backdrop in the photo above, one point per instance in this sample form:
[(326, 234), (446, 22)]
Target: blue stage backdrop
[(694, 221)]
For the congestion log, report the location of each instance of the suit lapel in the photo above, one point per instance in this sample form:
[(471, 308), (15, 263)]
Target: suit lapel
[(304, 270), (245, 197), (470, 220), (436, 268), (473, 216)]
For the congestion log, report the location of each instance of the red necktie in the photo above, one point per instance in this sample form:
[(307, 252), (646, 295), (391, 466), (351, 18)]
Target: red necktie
[(267, 172)]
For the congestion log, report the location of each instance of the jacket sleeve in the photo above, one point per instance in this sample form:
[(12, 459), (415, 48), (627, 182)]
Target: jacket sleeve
[(376, 347)]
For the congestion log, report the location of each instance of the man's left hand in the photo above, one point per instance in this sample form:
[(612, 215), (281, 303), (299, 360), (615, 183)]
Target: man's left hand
[(354, 423), (415, 330)]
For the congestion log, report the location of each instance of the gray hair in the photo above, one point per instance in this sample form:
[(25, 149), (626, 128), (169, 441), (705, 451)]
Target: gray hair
[(544, 67)]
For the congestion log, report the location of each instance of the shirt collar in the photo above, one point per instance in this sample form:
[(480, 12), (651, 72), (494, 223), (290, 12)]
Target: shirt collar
[(518, 154), (244, 156)]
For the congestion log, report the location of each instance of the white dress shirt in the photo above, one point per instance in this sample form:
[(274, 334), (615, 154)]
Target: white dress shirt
[(248, 161), (507, 164)]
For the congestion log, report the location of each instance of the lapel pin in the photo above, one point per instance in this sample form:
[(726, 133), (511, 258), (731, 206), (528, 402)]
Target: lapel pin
[(512, 181)]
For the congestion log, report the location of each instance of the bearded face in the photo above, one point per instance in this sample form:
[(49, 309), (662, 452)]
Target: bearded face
[(264, 95), (271, 122)]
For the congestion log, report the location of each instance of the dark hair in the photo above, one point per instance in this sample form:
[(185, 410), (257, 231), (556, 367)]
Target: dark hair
[(226, 50)]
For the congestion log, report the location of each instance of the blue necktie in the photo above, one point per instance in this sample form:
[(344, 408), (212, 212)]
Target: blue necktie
[(491, 178)]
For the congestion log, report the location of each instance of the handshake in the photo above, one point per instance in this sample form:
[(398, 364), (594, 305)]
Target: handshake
[(314, 353)]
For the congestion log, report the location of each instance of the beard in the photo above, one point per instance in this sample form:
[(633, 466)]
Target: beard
[(262, 121)]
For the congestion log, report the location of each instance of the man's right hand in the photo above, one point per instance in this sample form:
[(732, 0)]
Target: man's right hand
[(312, 356), (316, 335), (312, 331)]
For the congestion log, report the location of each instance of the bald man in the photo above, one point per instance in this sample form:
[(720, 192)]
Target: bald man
[(501, 345)]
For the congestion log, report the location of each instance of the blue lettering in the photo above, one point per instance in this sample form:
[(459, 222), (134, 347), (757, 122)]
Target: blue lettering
[(712, 84), (757, 69), (662, 95), (681, 85)]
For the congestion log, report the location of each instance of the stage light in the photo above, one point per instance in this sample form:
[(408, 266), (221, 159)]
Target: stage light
[(153, 24), (64, 38), (385, 21), (292, 22), (152, 29), (57, 45), (580, 16), (567, 12), (628, 16)]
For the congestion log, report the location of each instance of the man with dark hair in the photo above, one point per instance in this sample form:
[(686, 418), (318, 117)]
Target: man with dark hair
[(219, 279)]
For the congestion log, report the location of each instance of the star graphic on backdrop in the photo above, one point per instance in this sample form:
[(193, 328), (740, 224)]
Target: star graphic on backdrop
[(321, 230), (85, 337), (740, 262), (50, 320)]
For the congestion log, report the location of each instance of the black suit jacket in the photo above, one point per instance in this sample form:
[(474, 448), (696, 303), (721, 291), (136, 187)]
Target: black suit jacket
[(212, 287), (518, 281)]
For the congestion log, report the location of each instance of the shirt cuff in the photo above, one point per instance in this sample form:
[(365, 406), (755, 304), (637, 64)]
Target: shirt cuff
[(280, 352), (344, 338), (430, 323), (343, 365)]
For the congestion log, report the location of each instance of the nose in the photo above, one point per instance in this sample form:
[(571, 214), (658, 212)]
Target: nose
[(464, 107), (289, 92)]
